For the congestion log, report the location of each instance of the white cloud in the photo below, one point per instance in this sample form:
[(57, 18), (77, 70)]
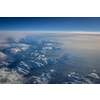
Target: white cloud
[(9, 76)]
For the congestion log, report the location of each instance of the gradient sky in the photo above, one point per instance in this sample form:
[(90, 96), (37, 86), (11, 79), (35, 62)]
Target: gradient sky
[(50, 24)]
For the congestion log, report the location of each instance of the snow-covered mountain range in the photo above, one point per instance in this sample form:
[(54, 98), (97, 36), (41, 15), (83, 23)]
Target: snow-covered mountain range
[(25, 60)]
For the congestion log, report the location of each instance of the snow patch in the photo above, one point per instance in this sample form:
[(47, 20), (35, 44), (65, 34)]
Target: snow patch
[(2, 55), (94, 75), (46, 48), (48, 44), (24, 48), (75, 78), (43, 78), (15, 50), (40, 57), (52, 70), (39, 64), (94, 70), (36, 54), (23, 70), (24, 64), (5, 63), (31, 53)]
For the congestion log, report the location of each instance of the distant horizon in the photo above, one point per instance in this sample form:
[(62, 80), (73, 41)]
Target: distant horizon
[(79, 32)]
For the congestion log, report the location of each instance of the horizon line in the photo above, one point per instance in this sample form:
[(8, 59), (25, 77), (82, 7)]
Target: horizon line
[(55, 31)]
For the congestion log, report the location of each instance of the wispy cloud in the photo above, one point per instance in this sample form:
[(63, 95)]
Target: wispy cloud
[(7, 34), (35, 32)]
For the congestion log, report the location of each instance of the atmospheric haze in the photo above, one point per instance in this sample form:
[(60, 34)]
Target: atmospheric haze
[(49, 57)]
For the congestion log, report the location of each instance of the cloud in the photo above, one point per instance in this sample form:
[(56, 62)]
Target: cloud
[(9, 76), (6, 34)]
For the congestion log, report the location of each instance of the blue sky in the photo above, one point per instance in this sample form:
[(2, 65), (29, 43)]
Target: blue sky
[(88, 24)]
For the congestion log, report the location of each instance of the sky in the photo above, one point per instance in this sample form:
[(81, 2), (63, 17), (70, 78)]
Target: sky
[(89, 24)]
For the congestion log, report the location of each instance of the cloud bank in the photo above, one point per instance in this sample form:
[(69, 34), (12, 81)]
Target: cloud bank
[(6, 34)]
